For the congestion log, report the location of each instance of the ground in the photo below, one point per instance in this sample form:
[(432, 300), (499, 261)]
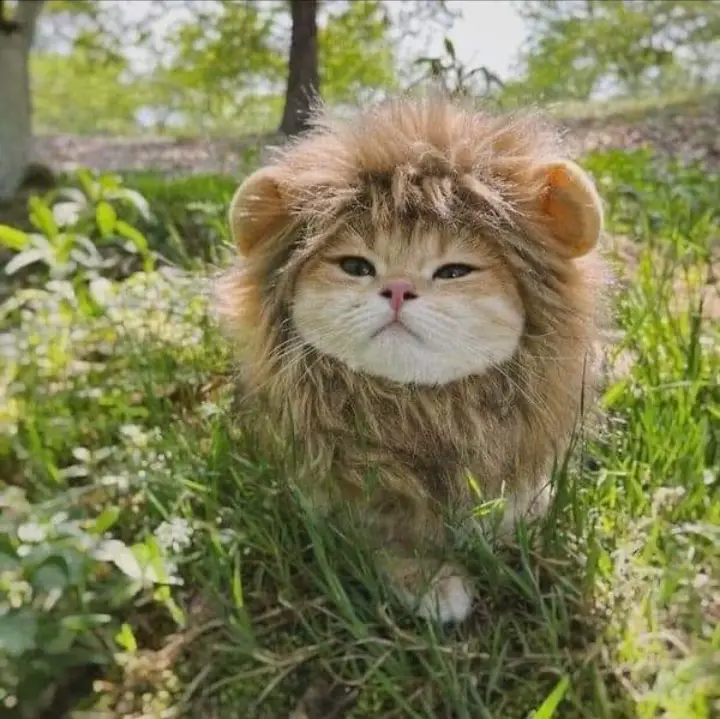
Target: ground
[(152, 565), (685, 128)]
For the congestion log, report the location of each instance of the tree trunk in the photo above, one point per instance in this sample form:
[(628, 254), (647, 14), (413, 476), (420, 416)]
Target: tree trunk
[(15, 129), (16, 145), (303, 78)]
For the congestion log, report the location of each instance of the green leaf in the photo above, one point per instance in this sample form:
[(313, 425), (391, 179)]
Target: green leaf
[(50, 576), (23, 259), (87, 183), (92, 251), (163, 595), (548, 707), (449, 47), (126, 639), (151, 557), (8, 563), (12, 238), (135, 236), (64, 244), (79, 623), (122, 557), (18, 631), (615, 393), (237, 588), (106, 217), (61, 642), (41, 216), (136, 200), (106, 520)]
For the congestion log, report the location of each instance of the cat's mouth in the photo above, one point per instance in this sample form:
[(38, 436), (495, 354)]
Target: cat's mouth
[(395, 326)]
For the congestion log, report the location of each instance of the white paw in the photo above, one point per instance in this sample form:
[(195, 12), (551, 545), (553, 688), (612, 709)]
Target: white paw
[(449, 599)]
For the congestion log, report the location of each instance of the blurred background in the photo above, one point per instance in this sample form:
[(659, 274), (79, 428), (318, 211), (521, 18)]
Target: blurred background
[(106, 74)]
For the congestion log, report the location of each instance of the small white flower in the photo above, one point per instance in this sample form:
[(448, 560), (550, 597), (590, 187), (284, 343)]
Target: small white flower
[(175, 535), (667, 497), (121, 482), (82, 454), (134, 434), (31, 532), (209, 409)]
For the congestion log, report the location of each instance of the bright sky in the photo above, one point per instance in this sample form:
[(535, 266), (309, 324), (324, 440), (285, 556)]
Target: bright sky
[(489, 33)]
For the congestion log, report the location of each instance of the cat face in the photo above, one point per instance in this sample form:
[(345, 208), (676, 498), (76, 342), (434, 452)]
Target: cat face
[(427, 309)]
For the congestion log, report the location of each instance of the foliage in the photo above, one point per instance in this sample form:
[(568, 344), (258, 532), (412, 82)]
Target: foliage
[(224, 65), (454, 77), (82, 356), (666, 437), (355, 55), (63, 583), (233, 60), (115, 427), (212, 67), (580, 47), (73, 93), (189, 222), (80, 234), (101, 31), (414, 25)]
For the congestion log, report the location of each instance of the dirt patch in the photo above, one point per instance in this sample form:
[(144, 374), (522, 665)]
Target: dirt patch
[(66, 153), (687, 132)]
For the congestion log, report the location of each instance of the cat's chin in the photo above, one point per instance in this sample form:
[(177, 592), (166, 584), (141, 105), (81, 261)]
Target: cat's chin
[(412, 365), (418, 376)]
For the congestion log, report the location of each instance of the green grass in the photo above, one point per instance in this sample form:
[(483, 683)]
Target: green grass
[(118, 425), (679, 102)]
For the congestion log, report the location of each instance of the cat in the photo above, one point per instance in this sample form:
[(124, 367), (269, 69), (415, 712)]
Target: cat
[(414, 302)]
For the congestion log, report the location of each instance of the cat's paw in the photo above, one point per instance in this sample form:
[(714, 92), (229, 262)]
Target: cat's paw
[(448, 599), (434, 591)]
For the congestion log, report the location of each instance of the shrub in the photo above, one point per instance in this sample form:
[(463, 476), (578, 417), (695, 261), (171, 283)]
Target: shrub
[(96, 360)]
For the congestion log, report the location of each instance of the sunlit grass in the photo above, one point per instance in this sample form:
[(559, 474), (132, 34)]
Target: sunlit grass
[(610, 611)]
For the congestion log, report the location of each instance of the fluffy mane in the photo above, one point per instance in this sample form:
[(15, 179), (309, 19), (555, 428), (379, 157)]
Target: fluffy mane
[(404, 162)]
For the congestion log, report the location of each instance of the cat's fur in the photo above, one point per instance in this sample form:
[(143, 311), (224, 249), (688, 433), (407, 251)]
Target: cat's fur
[(399, 453)]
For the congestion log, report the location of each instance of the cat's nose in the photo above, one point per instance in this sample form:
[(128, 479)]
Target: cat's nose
[(398, 292)]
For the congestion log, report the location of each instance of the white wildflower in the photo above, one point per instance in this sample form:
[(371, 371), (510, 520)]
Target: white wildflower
[(667, 497), (175, 535), (31, 532), (119, 481), (135, 435)]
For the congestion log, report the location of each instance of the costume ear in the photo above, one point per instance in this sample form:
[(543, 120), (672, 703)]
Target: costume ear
[(258, 210), (571, 207)]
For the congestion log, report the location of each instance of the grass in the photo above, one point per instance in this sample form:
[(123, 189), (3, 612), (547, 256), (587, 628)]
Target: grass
[(154, 565), (636, 108)]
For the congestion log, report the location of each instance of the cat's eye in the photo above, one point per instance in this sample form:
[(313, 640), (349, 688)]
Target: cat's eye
[(357, 266), (452, 271)]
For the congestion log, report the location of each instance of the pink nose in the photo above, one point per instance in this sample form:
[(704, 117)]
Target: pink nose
[(398, 291)]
